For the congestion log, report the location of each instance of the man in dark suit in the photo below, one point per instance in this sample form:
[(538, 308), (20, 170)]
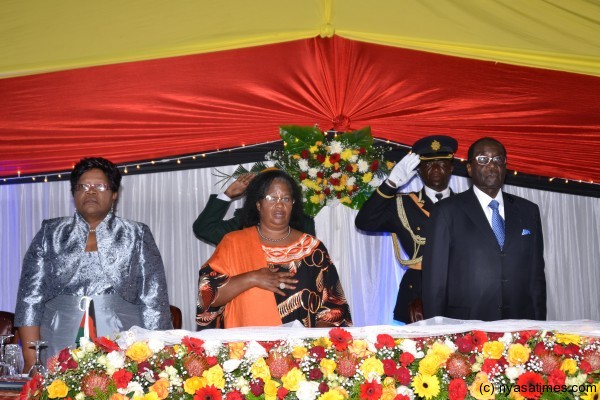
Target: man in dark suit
[(484, 258), (211, 226), (405, 215)]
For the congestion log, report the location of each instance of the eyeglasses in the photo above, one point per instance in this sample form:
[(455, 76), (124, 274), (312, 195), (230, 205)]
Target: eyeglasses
[(86, 187), (485, 160), (272, 199)]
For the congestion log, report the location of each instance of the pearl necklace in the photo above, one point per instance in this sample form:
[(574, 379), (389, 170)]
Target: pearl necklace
[(273, 240), (92, 231)]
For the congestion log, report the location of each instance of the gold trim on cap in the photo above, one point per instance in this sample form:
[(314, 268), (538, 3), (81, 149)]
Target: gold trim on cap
[(429, 158)]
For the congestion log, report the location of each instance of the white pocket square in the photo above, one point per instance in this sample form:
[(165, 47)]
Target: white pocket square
[(525, 232)]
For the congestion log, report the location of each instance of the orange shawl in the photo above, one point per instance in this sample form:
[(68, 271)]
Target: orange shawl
[(239, 252)]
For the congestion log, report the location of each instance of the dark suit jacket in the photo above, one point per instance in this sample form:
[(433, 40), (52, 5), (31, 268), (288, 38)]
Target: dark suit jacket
[(211, 227), (380, 214), (467, 276)]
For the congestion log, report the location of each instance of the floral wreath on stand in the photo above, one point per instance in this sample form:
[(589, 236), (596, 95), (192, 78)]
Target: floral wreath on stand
[(344, 169)]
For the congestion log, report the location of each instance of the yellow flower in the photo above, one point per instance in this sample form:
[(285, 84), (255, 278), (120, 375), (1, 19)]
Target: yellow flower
[(345, 200), (493, 350), (592, 392), (318, 143), (323, 342), (194, 383), (296, 156), (518, 354), (117, 396), (327, 163), (315, 199), (515, 395), (481, 388), (57, 389), (390, 164), (430, 364), (299, 352), (569, 366), (372, 365), (161, 387), (311, 184), (389, 393), (313, 149), (236, 350), (566, 338), (346, 154), (151, 396), (367, 177), (271, 389), (260, 369), (343, 180), (426, 386), (359, 348), (215, 376), (354, 167), (327, 366), (291, 380), (331, 395), (139, 352), (441, 351)]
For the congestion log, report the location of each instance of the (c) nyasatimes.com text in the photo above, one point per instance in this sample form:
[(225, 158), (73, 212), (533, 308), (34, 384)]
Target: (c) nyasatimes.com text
[(489, 388)]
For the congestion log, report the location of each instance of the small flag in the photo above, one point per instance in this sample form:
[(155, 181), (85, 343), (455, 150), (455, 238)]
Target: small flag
[(87, 326)]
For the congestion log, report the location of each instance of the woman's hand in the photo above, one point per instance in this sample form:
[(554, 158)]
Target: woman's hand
[(274, 281)]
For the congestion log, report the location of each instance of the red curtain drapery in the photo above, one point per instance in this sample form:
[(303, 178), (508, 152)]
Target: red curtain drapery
[(548, 120)]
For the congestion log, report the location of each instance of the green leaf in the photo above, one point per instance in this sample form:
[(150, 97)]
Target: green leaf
[(361, 137), (359, 199), (298, 138), (312, 209)]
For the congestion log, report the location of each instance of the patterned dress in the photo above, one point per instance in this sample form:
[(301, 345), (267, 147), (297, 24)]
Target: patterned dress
[(318, 296)]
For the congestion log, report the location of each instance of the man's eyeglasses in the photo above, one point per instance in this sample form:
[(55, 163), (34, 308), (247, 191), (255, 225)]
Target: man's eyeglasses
[(86, 187), (273, 199), (485, 160)]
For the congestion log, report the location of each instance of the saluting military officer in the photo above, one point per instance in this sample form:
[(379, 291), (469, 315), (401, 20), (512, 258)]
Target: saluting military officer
[(405, 215)]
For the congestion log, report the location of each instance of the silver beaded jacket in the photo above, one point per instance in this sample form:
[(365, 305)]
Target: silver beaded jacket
[(127, 252)]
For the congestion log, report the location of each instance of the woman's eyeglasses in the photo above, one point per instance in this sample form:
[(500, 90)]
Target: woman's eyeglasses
[(86, 187), (273, 199), (485, 160)]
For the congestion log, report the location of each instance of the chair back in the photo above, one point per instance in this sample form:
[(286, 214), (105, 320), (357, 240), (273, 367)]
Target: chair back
[(176, 317), (7, 325)]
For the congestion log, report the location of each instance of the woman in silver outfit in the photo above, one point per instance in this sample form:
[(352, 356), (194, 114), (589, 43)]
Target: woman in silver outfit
[(93, 264)]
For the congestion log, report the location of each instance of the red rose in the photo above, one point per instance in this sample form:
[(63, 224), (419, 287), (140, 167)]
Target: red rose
[(406, 359), (389, 367), (362, 150), (401, 397), (489, 365), (323, 387), (282, 392), (464, 344), (457, 389), (122, 378), (403, 376), (318, 352), (315, 374), (585, 367), (302, 176), (370, 390), (479, 338), (212, 361), (304, 154), (235, 395), (385, 340), (339, 338), (334, 181), (557, 378), (539, 349), (327, 191), (335, 157), (374, 165), (348, 168), (257, 386), (320, 174), (321, 158)]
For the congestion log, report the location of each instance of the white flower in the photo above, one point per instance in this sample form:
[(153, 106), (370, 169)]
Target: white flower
[(115, 360), (406, 391), (303, 164), (307, 390), (86, 345), (336, 174), (375, 182), (242, 385), (353, 158), (212, 347), (335, 147), (363, 166), (313, 172), (578, 380), (80, 396), (155, 345), (450, 344), (514, 372), (231, 365), (133, 387), (506, 339), (254, 351), (410, 346), (351, 181), (126, 339)]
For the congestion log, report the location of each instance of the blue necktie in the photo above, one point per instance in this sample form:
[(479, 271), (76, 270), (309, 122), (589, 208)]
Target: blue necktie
[(497, 223)]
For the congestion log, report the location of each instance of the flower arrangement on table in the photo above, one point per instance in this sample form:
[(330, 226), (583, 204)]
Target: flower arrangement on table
[(472, 365), (344, 169)]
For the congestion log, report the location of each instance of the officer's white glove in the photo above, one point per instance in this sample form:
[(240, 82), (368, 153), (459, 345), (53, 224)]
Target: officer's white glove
[(404, 171)]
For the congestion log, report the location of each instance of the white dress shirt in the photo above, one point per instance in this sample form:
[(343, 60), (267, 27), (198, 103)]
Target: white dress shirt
[(485, 200)]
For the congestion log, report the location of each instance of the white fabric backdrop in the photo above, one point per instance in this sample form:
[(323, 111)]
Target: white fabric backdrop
[(169, 203)]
